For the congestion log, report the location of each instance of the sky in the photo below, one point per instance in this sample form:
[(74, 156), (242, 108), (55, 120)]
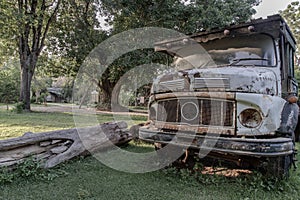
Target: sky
[(270, 7)]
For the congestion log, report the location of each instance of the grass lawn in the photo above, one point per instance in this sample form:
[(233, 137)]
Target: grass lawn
[(87, 178), (14, 125)]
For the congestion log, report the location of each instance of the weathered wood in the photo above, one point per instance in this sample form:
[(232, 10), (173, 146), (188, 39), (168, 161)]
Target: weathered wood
[(54, 147)]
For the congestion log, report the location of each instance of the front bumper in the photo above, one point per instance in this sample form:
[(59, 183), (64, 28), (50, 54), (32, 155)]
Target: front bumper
[(227, 145)]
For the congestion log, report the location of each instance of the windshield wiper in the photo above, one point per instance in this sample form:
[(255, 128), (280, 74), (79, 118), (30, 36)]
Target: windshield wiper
[(236, 61)]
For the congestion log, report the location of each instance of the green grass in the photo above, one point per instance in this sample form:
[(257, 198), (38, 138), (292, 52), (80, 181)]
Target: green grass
[(87, 178), (14, 125)]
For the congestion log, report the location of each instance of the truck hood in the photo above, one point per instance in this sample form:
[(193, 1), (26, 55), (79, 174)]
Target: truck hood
[(233, 79)]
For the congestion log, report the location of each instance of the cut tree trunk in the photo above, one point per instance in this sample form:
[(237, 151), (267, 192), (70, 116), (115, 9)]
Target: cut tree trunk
[(55, 147)]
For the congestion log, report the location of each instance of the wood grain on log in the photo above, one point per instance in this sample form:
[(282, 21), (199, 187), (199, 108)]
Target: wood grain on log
[(54, 147)]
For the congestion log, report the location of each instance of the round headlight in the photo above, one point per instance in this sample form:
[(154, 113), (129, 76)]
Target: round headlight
[(250, 118), (189, 111)]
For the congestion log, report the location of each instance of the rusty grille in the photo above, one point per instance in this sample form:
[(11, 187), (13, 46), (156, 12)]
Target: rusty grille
[(196, 112)]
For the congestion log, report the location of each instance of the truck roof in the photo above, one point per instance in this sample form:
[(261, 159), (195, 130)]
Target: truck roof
[(274, 26)]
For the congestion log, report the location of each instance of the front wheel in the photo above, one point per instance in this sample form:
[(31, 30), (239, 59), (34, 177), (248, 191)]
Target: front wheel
[(277, 167)]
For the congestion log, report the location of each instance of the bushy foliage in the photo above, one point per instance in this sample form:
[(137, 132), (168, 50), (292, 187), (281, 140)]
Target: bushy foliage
[(29, 169), (292, 16), (9, 83), (185, 16)]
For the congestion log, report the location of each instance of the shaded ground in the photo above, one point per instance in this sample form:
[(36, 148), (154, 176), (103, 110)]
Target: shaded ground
[(69, 108)]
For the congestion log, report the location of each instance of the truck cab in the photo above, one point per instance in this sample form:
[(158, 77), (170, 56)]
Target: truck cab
[(231, 95)]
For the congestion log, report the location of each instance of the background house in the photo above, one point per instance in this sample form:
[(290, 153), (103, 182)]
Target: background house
[(55, 95)]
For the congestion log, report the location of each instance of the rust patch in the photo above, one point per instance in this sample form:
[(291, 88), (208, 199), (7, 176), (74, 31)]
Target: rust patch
[(222, 171), (228, 95), (197, 129)]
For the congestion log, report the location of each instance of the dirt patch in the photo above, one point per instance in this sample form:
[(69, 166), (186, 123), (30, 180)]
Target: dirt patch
[(69, 108)]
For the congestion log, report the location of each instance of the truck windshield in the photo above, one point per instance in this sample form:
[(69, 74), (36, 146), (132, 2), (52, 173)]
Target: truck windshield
[(253, 50)]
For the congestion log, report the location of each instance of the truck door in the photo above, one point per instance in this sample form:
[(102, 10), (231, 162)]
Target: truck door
[(289, 82)]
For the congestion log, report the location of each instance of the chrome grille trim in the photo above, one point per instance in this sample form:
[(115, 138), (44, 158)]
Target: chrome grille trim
[(173, 85), (212, 112), (200, 83)]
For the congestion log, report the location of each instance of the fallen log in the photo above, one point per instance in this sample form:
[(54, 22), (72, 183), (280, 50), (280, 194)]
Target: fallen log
[(55, 147)]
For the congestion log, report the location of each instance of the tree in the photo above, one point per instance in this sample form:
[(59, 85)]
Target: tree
[(6, 51), (292, 16), (79, 33), (184, 16), (28, 23)]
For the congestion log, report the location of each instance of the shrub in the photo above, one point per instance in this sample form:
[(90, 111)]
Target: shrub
[(19, 107), (29, 169)]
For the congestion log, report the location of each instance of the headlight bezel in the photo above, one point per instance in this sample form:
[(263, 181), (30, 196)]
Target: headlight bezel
[(250, 118)]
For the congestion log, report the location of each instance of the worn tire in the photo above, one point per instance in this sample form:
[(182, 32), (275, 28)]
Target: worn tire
[(297, 130), (277, 167), (189, 162)]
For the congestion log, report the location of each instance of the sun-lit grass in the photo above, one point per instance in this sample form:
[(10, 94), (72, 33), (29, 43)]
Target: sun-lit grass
[(13, 124)]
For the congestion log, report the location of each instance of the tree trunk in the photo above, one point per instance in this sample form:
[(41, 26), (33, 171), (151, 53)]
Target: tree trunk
[(27, 70), (105, 94), (116, 106), (105, 99), (109, 95), (24, 87)]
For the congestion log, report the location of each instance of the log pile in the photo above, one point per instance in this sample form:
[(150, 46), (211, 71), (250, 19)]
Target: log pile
[(55, 147)]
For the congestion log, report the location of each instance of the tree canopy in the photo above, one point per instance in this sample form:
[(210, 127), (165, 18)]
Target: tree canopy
[(56, 36), (292, 16), (78, 32), (185, 16)]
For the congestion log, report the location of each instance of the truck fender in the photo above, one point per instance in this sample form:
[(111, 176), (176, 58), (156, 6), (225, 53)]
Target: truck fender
[(289, 120)]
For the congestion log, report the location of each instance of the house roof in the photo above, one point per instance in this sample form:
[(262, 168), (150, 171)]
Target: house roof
[(55, 91)]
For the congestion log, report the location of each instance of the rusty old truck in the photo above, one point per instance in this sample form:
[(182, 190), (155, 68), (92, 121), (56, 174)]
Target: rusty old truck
[(231, 96)]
